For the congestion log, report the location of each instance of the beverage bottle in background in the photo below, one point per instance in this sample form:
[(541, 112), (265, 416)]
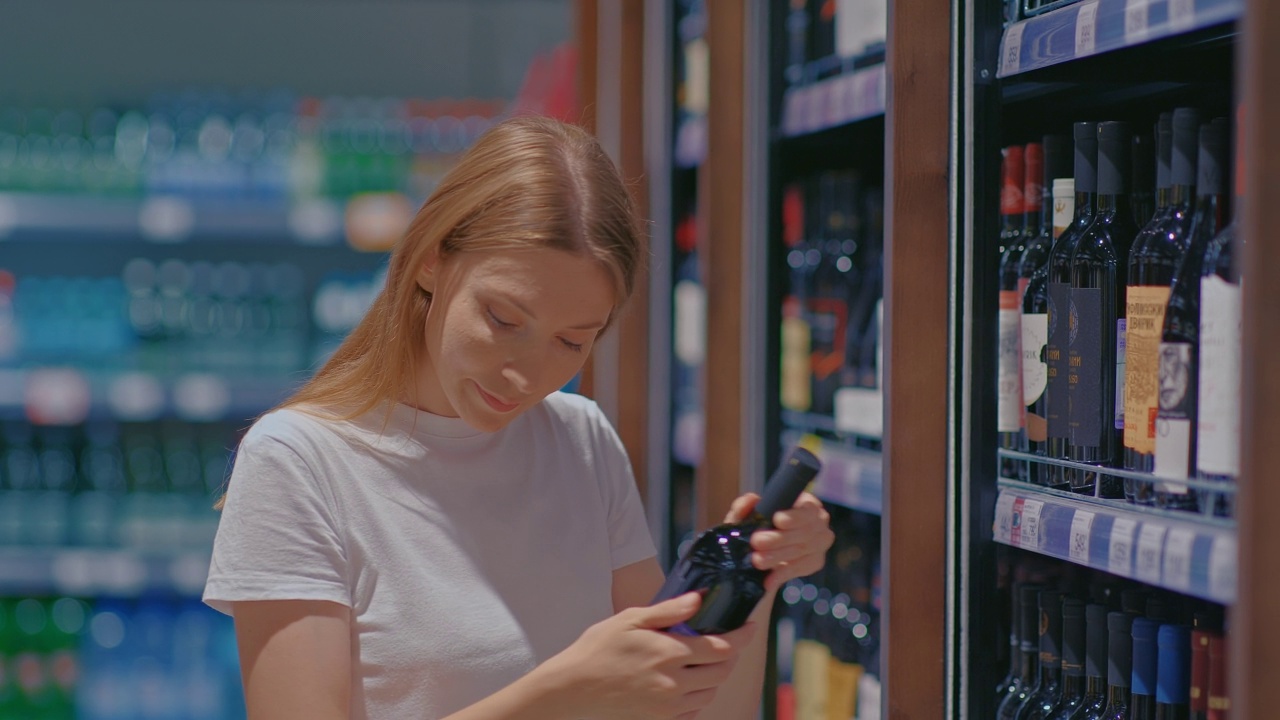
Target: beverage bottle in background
[(1096, 671), (865, 357), (797, 41), (794, 383), (1199, 693), (1008, 354), (1142, 703), (1142, 189), (1028, 651), (829, 302), (1119, 666), (689, 305), (67, 618), (143, 508), (21, 471), (1048, 692), (1218, 425), (1011, 681), (1180, 341), (1152, 265), (50, 515), (1096, 350), (95, 507), (1058, 400), (1219, 697), (1073, 658), (1173, 673)]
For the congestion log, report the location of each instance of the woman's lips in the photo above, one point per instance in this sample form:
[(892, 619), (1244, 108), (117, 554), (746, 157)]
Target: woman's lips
[(495, 403)]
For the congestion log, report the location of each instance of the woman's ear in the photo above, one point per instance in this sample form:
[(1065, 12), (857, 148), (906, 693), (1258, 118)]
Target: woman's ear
[(427, 272)]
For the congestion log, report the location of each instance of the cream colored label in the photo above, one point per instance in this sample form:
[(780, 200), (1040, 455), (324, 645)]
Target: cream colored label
[(811, 678), (842, 689), (795, 364), (1145, 319)]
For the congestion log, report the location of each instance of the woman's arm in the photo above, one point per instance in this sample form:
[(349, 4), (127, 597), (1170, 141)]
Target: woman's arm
[(295, 658)]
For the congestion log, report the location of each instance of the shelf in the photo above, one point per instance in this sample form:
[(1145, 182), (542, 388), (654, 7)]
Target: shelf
[(835, 101), (852, 477), (1093, 27), (1178, 551), (90, 572), (65, 396)]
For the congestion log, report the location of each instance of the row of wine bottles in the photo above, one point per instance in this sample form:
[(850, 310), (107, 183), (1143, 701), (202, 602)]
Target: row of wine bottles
[(820, 32), (1119, 330), (1102, 650)]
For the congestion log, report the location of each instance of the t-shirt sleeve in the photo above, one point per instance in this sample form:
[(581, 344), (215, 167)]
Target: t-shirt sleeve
[(277, 538), (629, 538)]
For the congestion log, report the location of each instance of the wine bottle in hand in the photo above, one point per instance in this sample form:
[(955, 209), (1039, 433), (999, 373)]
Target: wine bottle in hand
[(718, 564)]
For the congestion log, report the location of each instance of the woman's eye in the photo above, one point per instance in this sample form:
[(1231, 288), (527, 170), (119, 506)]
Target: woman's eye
[(575, 347), (499, 321)]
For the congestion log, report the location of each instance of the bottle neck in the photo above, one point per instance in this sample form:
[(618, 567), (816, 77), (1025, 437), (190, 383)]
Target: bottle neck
[(1050, 674), (1181, 195), (1117, 696), (1095, 686), (1030, 671), (1164, 196), (1112, 204), (1032, 221), (1084, 205), (1072, 687)]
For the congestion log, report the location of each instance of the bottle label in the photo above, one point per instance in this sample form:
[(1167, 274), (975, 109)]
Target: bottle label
[(1064, 209), (1177, 412), (1009, 410), (1218, 424), (842, 688), (1085, 367), (1035, 376), (1145, 309), (795, 358), (1058, 402), (690, 323), (811, 680), (1121, 356), (828, 322)]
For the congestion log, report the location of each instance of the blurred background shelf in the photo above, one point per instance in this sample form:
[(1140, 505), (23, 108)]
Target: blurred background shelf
[(84, 572), (840, 100), (851, 476)]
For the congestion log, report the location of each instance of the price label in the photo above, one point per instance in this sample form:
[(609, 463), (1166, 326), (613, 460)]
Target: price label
[(812, 116), (1011, 50), (1182, 14), (837, 101), (1150, 552), (1003, 529), (1087, 28), (1177, 558), (1135, 21), (791, 113), (1031, 510), (1120, 557), (1222, 568), (1081, 529)]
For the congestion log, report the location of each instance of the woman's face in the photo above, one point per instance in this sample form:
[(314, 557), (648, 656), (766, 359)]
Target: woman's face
[(506, 329)]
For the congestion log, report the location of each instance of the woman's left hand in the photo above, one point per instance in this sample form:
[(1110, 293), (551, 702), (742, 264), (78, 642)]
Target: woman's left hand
[(797, 544)]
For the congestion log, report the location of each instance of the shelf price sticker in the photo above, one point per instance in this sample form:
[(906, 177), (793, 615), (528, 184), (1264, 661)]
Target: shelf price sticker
[(1011, 50), (1003, 529), (1182, 14), (1081, 528), (1030, 525), (1150, 552), (1087, 28), (1222, 568), (1177, 559), (837, 97), (1135, 21), (1120, 559)]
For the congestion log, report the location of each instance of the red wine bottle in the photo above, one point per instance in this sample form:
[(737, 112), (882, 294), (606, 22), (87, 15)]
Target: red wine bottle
[(1058, 402), (1119, 666), (1180, 339), (1142, 704), (1096, 350), (1173, 673), (1152, 264), (1219, 699), (1199, 693), (1008, 358), (1095, 667), (1046, 694), (718, 564), (1073, 654)]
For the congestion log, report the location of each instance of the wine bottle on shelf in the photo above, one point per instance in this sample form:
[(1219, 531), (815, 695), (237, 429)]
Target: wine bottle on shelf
[(1058, 401), (1152, 264), (794, 382), (1219, 698), (1028, 662), (1218, 425), (828, 308), (718, 564), (1034, 222), (1009, 366), (1119, 666), (1073, 655), (1179, 340), (1095, 667), (1173, 672), (1142, 704), (1047, 693), (1142, 189), (1009, 684), (1096, 350)]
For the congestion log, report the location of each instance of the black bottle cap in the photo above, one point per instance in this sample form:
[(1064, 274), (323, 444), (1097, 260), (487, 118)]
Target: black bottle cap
[(1050, 627), (1114, 139), (1057, 159), (795, 472), (1073, 634), (1086, 165), (1212, 162), (1030, 621), (1144, 163), (1186, 126), (1096, 640), (1133, 600), (1164, 151), (1120, 652)]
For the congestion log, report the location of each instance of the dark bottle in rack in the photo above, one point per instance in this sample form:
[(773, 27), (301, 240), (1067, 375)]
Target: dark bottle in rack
[(1179, 341), (1097, 317), (1143, 696), (1119, 666), (1199, 691), (1097, 644), (1152, 264), (1047, 693), (1142, 198), (832, 280), (1058, 401), (1219, 697), (1008, 357), (1028, 652), (1073, 655), (795, 390), (1009, 683), (865, 357), (1173, 671)]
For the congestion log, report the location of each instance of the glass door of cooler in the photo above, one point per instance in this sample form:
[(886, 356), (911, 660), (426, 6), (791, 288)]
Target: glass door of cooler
[(1097, 431)]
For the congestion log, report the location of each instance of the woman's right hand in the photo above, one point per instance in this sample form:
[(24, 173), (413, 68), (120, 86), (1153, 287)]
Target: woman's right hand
[(625, 667)]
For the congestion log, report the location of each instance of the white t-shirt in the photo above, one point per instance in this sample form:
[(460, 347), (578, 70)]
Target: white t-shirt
[(467, 558)]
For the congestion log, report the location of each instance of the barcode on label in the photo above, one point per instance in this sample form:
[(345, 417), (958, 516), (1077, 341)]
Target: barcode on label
[(1177, 558), (1222, 568), (1087, 28), (1120, 559), (1135, 21), (1081, 527), (1011, 50), (1182, 14), (1150, 550), (1031, 524)]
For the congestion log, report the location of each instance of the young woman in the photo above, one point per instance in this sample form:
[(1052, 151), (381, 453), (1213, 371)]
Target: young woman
[(428, 529)]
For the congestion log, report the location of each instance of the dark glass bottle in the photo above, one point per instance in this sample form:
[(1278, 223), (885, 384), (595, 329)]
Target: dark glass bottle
[(1180, 339), (1045, 696), (1142, 703), (1033, 276), (1058, 405), (1028, 664), (1073, 654), (1142, 189), (1096, 342), (1095, 664), (1119, 666), (1219, 698), (828, 309), (1008, 358), (1009, 684), (1152, 265), (1173, 673), (1200, 672), (718, 564)]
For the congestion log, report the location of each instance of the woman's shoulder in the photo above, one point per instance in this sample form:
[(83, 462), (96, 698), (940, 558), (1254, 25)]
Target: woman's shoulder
[(574, 410), (297, 428)]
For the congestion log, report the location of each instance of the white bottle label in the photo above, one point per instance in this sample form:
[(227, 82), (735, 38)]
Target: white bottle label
[(691, 323), (1035, 373), (1009, 414), (1218, 452), (1173, 448)]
